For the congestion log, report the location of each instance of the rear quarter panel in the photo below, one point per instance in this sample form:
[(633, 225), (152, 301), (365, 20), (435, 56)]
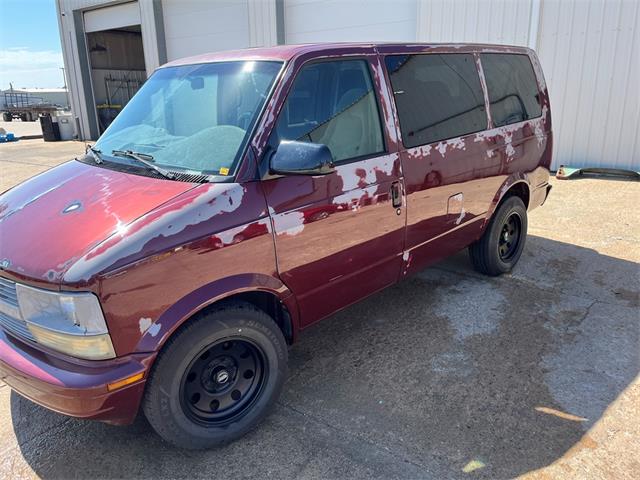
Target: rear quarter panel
[(525, 149)]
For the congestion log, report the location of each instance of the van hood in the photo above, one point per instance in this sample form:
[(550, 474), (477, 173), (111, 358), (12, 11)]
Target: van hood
[(51, 220)]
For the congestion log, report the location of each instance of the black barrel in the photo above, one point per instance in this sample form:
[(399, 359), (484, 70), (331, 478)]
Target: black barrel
[(50, 129)]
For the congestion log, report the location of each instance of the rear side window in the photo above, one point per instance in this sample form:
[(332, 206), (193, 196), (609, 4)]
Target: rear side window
[(333, 103), (437, 96), (512, 87)]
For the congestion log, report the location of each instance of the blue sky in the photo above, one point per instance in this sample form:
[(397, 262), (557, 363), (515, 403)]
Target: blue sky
[(30, 51)]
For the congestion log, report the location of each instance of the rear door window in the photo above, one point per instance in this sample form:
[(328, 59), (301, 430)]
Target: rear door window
[(437, 96), (333, 103), (512, 87)]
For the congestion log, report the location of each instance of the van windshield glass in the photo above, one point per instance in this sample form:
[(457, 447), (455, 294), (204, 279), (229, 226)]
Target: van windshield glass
[(192, 118)]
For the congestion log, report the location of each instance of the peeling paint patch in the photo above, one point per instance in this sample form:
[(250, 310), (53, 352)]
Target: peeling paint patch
[(291, 223), (457, 143), (509, 150), (147, 326), (154, 329), (406, 257), (144, 324)]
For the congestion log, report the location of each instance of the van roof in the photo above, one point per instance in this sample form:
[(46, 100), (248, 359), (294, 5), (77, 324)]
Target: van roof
[(288, 52)]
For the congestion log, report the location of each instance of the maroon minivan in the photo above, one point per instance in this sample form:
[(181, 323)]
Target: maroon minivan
[(241, 197)]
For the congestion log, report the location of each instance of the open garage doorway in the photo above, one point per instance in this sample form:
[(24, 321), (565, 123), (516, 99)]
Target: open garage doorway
[(116, 58)]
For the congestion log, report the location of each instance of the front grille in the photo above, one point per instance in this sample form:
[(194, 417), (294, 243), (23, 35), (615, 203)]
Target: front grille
[(8, 292), (8, 322), (16, 327)]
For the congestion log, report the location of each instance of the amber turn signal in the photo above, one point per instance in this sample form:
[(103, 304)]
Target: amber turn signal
[(125, 381)]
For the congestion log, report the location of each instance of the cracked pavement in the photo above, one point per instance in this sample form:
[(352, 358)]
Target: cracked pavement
[(448, 374)]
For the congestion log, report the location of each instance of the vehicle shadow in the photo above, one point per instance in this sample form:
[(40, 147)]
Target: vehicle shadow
[(445, 371)]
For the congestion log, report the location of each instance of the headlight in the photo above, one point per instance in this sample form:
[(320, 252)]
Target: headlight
[(71, 323)]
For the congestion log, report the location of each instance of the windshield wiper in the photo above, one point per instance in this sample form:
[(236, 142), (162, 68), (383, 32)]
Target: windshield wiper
[(145, 159), (95, 154)]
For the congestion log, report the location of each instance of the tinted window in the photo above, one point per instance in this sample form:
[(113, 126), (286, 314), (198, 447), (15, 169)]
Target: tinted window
[(437, 96), (333, 103), (512, 86)]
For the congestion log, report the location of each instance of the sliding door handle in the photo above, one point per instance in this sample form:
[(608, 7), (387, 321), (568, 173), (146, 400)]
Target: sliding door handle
[(396, 195)]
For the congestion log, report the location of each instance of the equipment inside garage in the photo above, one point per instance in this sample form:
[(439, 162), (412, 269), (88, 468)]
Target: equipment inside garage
[(117, 69), (115, 56)]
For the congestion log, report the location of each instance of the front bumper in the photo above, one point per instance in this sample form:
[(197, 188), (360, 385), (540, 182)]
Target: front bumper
[(75, 389)]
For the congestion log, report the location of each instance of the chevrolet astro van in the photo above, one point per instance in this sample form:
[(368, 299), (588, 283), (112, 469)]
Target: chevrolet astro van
[(242, 196)]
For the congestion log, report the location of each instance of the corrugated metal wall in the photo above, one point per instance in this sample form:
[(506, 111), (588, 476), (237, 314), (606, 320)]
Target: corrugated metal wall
[(194, 27), (590, 53), (589, 50), (488, 21), (349, 21)]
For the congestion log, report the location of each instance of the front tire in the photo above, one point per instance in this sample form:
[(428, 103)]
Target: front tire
[(500, 247), (217, 378)]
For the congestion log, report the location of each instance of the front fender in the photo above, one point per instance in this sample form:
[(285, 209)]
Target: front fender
[(161, 330)]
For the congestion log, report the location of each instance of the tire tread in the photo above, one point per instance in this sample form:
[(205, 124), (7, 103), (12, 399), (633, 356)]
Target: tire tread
[(481, 252), (152, 408)]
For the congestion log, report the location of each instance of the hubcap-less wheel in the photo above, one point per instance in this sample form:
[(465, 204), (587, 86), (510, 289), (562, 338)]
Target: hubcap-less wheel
[(509, 237), (223, 381)]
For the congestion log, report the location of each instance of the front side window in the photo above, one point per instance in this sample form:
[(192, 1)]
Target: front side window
[(512, 87), (437, 96), (192, 118), (333, 103)]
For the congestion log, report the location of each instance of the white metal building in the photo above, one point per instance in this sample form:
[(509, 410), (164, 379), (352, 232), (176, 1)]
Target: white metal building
[(589, 49)]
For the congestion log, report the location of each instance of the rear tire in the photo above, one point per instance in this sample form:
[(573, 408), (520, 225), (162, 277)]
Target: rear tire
[(217, 378), (6, 116), (500, 247)]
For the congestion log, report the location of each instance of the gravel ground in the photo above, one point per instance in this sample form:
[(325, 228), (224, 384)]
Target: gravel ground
[(446, 375)]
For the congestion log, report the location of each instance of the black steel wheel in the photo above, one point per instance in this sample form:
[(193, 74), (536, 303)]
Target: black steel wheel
[(222, 381), (500, 246), (510, 237), (217, 377)]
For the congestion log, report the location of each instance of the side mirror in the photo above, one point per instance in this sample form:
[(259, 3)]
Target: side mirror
[(302, 158)]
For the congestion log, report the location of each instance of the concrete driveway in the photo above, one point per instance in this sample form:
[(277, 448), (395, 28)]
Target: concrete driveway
[(20, 128), (448, 374)]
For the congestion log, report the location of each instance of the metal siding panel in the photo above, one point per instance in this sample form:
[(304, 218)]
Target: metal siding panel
[(194, 27), (586, 48), (116, 16), (620, 86), (631, 123), (149, 36), (352, 20), (566, 65), (492, 21), (587, 52)]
